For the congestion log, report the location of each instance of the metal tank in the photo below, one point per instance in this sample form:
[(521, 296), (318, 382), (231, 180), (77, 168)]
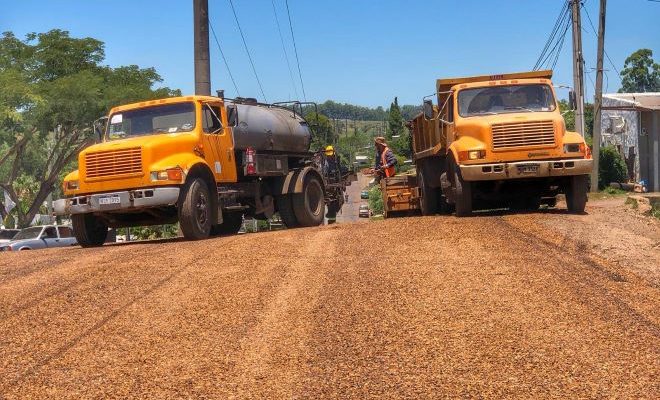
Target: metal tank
[(271, 129)]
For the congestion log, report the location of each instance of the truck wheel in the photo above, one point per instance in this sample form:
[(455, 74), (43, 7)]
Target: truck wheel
[(463, 194), (195, 211), (310, 204), (576, 194), (89, 230), (430, 196), (231, 224), (285, 208)]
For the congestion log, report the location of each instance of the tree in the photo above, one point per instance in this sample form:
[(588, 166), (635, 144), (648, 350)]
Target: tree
[(322, 131), (57, 88), (640, 73), (395, 119)]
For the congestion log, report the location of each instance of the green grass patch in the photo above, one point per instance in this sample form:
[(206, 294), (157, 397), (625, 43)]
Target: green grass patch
[(655, 211), (633, 203)]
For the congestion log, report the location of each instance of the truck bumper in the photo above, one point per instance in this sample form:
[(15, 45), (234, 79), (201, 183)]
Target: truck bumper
[(117, 201), (526, 169)]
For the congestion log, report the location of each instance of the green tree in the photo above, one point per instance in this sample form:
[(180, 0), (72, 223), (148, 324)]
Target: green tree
[(53, 88), (640, 73), (323, 132), (395, 119)]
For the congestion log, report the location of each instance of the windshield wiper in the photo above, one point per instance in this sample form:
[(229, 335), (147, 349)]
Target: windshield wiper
[(518, 108)]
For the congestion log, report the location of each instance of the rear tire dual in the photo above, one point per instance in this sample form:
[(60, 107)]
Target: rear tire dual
[(576, 193), (309, 206), (89, 230), (285, 208), (430, 198)]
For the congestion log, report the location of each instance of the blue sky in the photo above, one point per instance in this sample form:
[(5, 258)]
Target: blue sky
[(359, 51)]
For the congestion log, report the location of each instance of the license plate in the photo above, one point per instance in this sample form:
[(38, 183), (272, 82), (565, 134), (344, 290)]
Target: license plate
[(528, 169), (109, 200)]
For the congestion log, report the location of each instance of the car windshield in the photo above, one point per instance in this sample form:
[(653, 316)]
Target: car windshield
[(166, 118), (29, 233), (505, 99)]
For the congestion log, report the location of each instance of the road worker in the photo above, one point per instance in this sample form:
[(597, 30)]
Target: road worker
[(385, 160)]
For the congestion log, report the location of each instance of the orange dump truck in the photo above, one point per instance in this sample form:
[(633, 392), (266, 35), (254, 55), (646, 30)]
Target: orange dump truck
[(495, 142), (202, 161)]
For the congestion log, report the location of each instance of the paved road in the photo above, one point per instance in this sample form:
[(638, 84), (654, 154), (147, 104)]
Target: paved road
[(350, 210), (493, 306)]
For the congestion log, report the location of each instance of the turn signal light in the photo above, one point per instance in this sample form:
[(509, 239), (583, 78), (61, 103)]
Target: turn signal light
[(171, 174), (72, 185), (471, 155)]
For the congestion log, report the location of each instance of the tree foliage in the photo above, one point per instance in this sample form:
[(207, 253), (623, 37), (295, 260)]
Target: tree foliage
[(53, 87), (640, 73)]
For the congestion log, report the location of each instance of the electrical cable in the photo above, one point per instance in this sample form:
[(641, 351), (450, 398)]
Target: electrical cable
[(286, 56), (556, 28), (224, 59), (247, 50), (295, 48)]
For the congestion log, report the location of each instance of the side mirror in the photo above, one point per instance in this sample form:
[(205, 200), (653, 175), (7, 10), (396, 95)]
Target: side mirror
[(232, 115), (572, 102), (99, 129), (428, 109)]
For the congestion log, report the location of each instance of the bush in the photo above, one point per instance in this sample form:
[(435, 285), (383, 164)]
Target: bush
[(611, 167), (375, 200)]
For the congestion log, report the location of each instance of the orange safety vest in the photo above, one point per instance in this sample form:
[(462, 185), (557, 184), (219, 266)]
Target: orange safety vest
[(389, 171)]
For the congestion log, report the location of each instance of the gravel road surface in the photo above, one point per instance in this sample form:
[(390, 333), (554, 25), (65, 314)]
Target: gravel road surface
[(491, 306)]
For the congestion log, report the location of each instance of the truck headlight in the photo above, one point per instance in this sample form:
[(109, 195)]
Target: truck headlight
[(171, 174), (72, 185), (476, 154), (573, 148)]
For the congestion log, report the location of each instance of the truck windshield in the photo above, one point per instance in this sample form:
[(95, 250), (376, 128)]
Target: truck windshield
[(166, 118), (505, 99)]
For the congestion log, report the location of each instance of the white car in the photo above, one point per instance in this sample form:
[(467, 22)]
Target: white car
[(41, 237), (364, 211)]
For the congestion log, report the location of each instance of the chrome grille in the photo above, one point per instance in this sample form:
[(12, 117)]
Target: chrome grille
[(114, 163), (523, 134)]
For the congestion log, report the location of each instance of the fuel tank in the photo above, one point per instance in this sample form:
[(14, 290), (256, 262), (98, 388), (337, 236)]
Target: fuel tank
[(267, 128)]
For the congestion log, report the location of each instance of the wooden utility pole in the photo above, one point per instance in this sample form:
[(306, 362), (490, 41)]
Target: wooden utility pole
[(578, 66), (201, 37), (598, 100)]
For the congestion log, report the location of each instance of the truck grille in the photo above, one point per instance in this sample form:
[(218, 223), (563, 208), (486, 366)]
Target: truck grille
[(523, 134), (114, 163)]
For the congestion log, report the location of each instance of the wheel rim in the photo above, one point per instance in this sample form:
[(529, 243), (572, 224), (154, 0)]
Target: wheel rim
[(314, 197), (201, 209)]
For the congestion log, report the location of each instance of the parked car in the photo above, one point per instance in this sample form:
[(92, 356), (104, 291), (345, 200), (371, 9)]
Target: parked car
[(364, 211), (6, 235), (364, 194), (41, 237)]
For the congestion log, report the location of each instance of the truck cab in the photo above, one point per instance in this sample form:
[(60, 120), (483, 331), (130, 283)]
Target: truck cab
[(499, 141)]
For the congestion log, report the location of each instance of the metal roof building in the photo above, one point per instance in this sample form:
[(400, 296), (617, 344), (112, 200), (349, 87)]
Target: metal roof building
[(631, 123)]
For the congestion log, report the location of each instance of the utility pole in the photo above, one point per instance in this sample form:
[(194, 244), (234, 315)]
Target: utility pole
[(201, 37), (578, 66), (598, 100)]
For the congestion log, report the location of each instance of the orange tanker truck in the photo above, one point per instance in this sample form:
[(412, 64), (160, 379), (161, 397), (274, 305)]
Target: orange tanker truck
[(497, 142), (202, 161)]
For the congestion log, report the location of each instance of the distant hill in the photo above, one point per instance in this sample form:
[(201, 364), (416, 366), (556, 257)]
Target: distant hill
[(334, 110)]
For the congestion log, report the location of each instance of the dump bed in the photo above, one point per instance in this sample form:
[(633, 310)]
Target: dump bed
[(400, 194)]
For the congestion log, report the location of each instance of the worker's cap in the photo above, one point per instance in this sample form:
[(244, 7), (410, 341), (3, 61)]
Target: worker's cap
[(329, 150), (380, 140)]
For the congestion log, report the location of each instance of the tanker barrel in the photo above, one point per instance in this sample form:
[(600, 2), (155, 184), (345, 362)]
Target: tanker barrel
[(265, 128)]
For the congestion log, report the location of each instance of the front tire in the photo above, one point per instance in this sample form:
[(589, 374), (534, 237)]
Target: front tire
[(576, 194), (463, 190), (309, 206), (89, 230), (195, 211)]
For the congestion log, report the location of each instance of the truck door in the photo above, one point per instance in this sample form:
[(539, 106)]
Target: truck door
[(218, 143)]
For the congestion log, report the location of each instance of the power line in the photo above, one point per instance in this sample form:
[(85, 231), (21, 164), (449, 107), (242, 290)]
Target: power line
[(563, 13), (286, 56), (295, 48), (247, 50), (224, 59), (605, 51)]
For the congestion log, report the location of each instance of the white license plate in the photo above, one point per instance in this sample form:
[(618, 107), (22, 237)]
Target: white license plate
[(109, 200), (528, 169)]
